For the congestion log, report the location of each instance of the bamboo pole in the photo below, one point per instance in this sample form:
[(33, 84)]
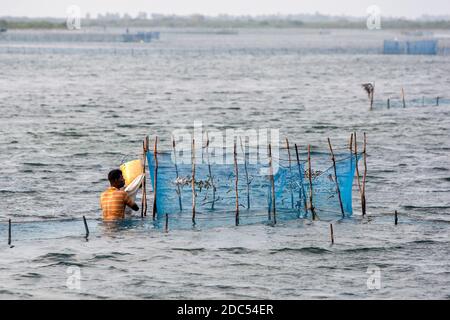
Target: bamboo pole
[(144, 181), (9, 232), (336, 178), (364, 177), (272, 180), (350, 145), (236, 172), (311, 207), (357, 170), (210, 172), (290, 171), (86, 228), (176, 172), (301, 174), (155, 178), (403, 98), (193, 180), (246, 174), (331, 233)]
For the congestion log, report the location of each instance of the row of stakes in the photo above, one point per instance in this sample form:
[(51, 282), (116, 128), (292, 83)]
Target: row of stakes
[(86, 227)]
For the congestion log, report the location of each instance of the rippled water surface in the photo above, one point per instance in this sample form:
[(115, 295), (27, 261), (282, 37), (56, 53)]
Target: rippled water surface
[(69, 116)]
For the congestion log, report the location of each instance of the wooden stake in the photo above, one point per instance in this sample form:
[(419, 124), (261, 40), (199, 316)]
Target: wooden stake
[(403, 98), (364, 177), (272, 180), (311, 207), (350, 145), (167, 223), (336, 178), (388, 103), (395, 217), (236, 172), (176, 172), (357, 170), (246, 174), (144, 181), (155, 177), (332, 233), (210, 172), (290, 170), (301, 174), (86, 227), (193, 180), (9, 232), (437, 101)]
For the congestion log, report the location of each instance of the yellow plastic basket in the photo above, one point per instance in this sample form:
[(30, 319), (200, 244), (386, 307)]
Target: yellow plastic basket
[(130, 170)]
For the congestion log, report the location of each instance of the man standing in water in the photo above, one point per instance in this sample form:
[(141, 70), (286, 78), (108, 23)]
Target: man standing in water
[(114, 200)]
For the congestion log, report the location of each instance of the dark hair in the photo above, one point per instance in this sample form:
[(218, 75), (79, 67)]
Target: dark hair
[(114, 175)]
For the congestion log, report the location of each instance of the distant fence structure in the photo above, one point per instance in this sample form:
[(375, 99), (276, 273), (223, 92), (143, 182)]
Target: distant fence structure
[(419, 47)]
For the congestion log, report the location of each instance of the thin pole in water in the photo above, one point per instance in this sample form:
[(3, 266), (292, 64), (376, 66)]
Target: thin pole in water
[(210, 172), (403, 98), (364, 177), (311, 207), (290, 170), (246, 174), (155, 178), (336, 178), (332, 233), (437, 101), (236, 172), (301, 174), (396, 217), (86, 228), (357, 170), (272, 180), (176, 172), (193, 180), (167, 223), (144, 182), (9, 232)]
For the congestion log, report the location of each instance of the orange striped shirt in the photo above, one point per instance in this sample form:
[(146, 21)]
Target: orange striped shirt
[(113, 202)]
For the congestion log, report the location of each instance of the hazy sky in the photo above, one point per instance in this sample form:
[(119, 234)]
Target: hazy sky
[(57, 8)]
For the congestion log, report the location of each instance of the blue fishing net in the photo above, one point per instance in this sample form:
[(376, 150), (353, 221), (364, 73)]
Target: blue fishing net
[(216, 198)]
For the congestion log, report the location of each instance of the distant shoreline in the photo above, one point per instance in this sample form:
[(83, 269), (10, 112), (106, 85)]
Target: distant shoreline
[(9, 23)]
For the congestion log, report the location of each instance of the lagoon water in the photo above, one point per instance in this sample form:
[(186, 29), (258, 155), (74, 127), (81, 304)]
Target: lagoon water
[(71, 111)]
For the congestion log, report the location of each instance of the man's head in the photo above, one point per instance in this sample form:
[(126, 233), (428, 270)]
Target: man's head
[(116, 179)]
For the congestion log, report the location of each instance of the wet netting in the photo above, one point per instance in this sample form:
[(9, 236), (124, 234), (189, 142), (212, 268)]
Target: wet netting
[(414, 102), (241, 185)]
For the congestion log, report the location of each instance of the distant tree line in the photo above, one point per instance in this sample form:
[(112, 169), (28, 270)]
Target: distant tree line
[(222, 21)]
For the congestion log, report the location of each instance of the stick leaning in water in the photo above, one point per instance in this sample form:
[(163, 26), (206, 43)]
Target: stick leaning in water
[(302, 194), (155, 178), (336, 178), (311, 207), (86, 227)]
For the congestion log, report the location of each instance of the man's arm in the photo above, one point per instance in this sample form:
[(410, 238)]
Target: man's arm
[(131, 203)]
